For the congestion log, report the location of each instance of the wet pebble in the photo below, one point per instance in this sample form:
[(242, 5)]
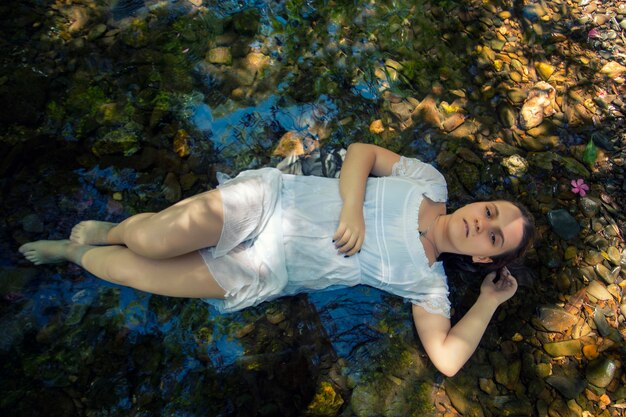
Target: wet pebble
[(598, 290), (604, 273), (32, 223), (515, 165), (593, 257), (614, 255), (601, 371), (567, 386), (563, 224), (220, 55), (555, 319), (589, 206), (563, 348)]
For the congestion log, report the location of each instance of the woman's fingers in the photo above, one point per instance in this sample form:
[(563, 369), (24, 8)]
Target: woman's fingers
[(347, 242)]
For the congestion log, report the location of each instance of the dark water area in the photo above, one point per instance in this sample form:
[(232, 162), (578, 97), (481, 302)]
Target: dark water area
[(111, 108)]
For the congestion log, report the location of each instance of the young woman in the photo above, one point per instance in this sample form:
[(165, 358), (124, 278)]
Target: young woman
[(266, 234)]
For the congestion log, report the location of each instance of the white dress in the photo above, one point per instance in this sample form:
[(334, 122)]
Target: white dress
[(278, 228)]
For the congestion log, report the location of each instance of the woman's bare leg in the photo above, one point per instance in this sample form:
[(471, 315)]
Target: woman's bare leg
[(187, 226), (181, 276)]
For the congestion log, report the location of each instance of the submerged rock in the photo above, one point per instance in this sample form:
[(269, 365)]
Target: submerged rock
[(601, 371), (568, 387), (563, 348), (554, 319), (563, 224)]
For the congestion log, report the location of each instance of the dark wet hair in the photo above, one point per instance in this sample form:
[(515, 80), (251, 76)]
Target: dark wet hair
[(455, 262)]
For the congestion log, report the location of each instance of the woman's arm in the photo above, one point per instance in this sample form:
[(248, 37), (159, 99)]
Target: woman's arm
[(449, 348), (361, 160)]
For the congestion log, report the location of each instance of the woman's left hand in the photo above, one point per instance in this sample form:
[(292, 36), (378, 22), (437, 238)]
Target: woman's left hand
[(503, 289)]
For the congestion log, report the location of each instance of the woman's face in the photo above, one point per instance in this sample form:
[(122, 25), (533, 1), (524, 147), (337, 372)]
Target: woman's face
[(486, 229)]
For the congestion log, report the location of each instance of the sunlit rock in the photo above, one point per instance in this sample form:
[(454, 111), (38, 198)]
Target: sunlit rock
[(539, 104), (515, 165)]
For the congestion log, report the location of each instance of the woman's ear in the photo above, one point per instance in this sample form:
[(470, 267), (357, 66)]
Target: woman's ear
[(481, 259)]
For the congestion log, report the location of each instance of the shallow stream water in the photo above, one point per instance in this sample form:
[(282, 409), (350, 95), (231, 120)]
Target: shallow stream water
[(110, 108)]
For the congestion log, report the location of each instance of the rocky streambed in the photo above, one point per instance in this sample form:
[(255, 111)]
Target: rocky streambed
[(111, 108)]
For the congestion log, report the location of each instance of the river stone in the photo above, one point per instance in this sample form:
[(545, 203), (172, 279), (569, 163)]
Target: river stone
[(220, 55), (462, 402), (567, 386), (366, 401), (603, 326), (604, 273), (590, 206), (563, 224), (601, 371), (555, 319), (614, 255), (515, 165), (599, 291), (468, 175), (32, 223), (516, 95), (563, 348), (593, 257), (506, 114)]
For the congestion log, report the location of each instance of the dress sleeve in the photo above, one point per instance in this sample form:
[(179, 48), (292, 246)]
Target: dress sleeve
[(434, 304), (423, 172)]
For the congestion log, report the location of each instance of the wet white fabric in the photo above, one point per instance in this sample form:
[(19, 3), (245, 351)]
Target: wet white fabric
[(293, 251)]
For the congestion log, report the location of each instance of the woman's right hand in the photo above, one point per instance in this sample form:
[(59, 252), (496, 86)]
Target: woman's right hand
[(350, 233), (499, 291)]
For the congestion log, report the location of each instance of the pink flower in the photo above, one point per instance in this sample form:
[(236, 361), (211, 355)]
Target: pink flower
[(579, 187), (594, 33)]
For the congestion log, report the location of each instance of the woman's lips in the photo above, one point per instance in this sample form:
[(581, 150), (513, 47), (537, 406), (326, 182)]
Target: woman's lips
[(466, 228)]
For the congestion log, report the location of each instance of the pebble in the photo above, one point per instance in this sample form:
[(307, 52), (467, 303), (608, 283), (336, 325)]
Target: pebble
[(604, 273), (593, 257), (563, 224), (567, 386), (601, 371), (32, 223), (555, 319), (598, 290), (563, 348), (590, 206), (220, 55), (614, 255)]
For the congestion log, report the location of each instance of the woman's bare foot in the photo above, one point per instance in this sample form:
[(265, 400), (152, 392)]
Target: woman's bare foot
[(45, 251), (53, 251), (91, 232)]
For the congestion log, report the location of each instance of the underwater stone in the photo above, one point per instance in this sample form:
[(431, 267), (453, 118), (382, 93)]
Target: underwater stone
[(590, 206), (555, 319), (220, 55), (326, 402), (601, 371), (506, 114), (32, 223), (124, 140), (563, 348), (567, 386), (598, 290), (563, 224), (468, 175), (515, 165)]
